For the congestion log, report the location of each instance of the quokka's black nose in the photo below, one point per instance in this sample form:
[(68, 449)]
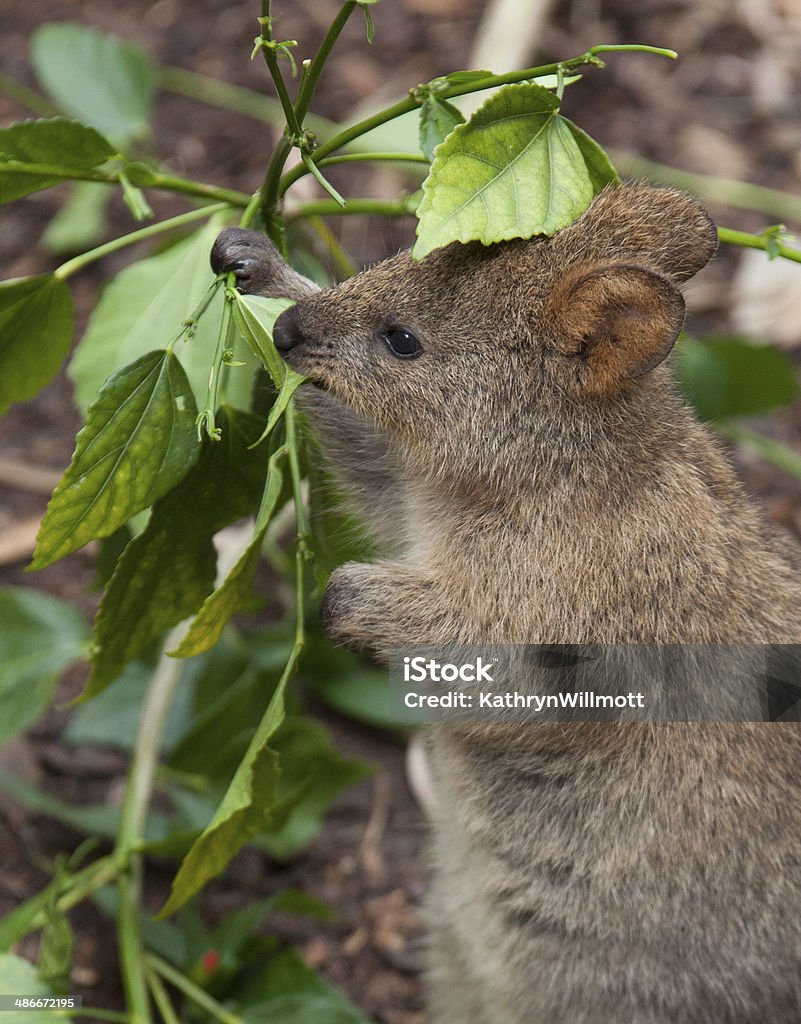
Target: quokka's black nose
[(286, 332)]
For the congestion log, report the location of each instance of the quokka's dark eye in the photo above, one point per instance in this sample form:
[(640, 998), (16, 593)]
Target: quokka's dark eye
[(403, 343)]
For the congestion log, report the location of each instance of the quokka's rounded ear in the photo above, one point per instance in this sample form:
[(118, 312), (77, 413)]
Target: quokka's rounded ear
[(662, 228), (617, 321)]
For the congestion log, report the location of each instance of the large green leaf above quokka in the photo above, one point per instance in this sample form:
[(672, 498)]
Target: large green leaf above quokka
[(517, 168)]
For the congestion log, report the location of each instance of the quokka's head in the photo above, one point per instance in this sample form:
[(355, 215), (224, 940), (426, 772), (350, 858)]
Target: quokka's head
[(464, 356)]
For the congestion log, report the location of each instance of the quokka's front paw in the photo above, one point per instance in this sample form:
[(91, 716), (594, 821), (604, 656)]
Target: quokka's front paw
[(348, 607), (243, 253)]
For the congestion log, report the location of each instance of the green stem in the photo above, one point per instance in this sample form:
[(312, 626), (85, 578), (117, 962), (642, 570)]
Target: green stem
[(660, 51), (94, 1013), (161, 997), (33, 914), (129, 939), (346, 158), (78, 262), (321, 180), (192, 991), (199, 189), (309, 83), (189, 326), (302, 521), (134, 813), (271, 60), (27, 97), (740, 194), (415, 99), (268, 193), (345, 266), (163, 181), (206, 421), (247, 102), (748, 241), (346, 135), (391, 208)]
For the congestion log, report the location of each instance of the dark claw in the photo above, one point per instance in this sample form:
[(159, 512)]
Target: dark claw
[(238, 251), (257, 264)]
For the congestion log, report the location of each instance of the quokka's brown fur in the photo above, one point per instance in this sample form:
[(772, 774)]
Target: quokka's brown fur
[(535, 477)]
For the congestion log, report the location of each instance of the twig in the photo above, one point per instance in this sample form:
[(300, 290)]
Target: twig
[(370, 850)]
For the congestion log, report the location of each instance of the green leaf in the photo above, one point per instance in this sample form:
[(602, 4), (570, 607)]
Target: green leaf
[(35, 335), (138, 442), (18, 977), (160, 937), (134, 199), (514, 170), (236, 930), (466, 77), (146, 304), (80, 223), (218, 608), (599, 166), (17, 923), (312, 775), (438, 118), (337, 536), (237, 587), (56, 949), (91, 819), (165, 572), (219, 732), (342, 681), (244, 813), (111, 719), (140, 174), (40, 637), (727, 377), (100, 79), (291, 383), (255, 318), (286, 991), (53, 142)]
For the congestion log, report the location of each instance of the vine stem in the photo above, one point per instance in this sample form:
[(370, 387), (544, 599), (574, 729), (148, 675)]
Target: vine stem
[(386, 208), (270, 191), (94, 1013), (310, 79), (160, 997), (34, 912), (417, 96), (749, 241), (134, 812), (78, 262), (167, 182), (192, 991), (346, 158)]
